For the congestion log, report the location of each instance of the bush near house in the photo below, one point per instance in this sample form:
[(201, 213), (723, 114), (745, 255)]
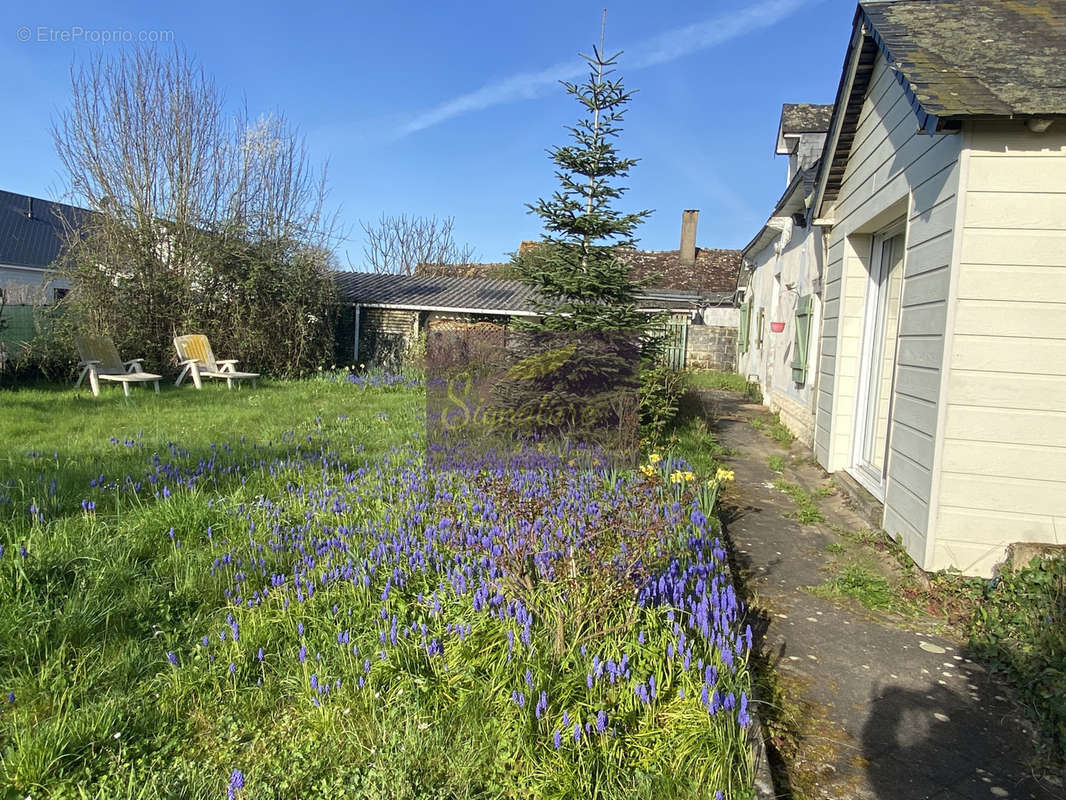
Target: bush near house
[(1018, 627)]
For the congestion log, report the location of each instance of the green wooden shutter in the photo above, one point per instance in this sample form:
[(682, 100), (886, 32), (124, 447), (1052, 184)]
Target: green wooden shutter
[(804, 312), (745, 319)]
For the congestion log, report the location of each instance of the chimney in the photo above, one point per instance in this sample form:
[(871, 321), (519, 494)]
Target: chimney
[(689, 218)]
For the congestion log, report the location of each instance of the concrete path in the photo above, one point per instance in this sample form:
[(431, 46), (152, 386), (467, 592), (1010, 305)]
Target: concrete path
[(886, 708)]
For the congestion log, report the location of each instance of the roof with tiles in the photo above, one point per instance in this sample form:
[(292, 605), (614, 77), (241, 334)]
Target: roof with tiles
[(714, 270), (976, 58), (805, 117)]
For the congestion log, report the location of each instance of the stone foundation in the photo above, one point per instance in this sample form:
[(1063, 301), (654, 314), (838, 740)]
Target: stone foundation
[(794, 415)]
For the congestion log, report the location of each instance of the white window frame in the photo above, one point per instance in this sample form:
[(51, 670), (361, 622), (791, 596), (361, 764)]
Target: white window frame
[(860, 468)]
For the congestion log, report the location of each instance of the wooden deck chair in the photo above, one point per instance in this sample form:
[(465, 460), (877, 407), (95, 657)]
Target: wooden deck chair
[(197, 360), (100, 361)]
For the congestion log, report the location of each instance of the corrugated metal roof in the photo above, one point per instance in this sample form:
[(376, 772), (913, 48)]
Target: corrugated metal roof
[(32, 229), (484, 295), (427, 293)]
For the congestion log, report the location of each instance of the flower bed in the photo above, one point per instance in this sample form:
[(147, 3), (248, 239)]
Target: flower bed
[(574, 632)]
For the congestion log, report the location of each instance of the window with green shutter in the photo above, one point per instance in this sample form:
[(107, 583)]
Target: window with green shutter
[(745, 321), (804, 312)]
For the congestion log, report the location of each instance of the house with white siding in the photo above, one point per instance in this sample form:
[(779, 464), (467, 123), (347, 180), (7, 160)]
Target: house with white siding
[(941, 385), (779, 283), (32, 233)]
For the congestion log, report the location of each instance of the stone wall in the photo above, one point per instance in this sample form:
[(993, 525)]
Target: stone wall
[(711, 347)]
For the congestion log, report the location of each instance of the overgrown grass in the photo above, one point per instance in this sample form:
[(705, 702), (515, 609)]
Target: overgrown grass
[(807, 511), (731, 381), (776, 463), (166, 558), (773, 428), (859, 583), (1018, 627)]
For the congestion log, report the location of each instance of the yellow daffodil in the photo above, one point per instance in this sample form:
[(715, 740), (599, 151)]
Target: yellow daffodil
[(676, 476), (655, 458), (647, 470), (689, 476), (724, 475)]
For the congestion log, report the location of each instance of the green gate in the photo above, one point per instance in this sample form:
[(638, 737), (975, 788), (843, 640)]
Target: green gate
[(675, 342)]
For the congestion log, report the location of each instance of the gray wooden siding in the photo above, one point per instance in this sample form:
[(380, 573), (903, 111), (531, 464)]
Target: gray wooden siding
[(892, 168), (831, 301)]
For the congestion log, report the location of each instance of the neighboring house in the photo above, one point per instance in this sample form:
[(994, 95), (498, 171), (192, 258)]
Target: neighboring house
[(696, 284), (31, 237), (779, 284), (942, 191), (711, 274)]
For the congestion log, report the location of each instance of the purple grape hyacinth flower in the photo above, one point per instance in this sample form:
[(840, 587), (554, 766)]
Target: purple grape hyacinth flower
[(236, 783)]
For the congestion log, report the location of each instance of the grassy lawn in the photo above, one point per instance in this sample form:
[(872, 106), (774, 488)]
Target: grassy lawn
[(266, 593)]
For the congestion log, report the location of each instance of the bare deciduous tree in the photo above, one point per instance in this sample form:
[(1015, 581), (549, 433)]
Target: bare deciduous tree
[(401, 245), (205, 218)]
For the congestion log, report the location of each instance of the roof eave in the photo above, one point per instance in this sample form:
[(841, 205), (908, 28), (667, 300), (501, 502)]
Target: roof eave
[(847, 76), (782, 202)]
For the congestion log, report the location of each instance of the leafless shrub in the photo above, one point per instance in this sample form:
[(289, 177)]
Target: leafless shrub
[(400, 245), (205, 221)]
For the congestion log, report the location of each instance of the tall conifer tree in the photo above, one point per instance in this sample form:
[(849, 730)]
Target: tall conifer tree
[(577, 269)]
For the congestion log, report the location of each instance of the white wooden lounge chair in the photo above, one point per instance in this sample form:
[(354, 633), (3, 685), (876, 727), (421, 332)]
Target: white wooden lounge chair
[(100, 361), (197, 360)]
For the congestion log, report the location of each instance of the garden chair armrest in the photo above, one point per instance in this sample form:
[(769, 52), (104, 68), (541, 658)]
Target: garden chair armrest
[(134, 365), (88, 363), (187, 361)]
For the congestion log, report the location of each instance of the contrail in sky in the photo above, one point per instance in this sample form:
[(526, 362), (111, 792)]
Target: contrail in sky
[(668, 46)]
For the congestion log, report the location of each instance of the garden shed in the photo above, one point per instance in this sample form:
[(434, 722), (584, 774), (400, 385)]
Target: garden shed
[(381, 316)]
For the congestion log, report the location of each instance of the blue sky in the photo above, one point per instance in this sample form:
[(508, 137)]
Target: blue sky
[(446, 109)]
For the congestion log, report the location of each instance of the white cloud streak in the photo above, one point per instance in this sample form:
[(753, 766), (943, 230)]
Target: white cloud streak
[(660, 49)]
